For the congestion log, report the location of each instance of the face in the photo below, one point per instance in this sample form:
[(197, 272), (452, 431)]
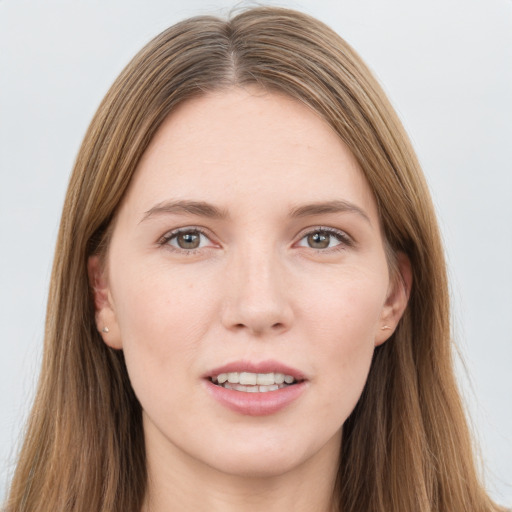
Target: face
[(247, 248)]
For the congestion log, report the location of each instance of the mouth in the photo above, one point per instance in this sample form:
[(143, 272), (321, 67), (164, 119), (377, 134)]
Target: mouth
[(249, 382), (255, 388)]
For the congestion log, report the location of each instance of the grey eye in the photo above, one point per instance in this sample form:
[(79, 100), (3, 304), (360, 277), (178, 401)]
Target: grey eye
[(324, 239), (319, 240), (187, 240)]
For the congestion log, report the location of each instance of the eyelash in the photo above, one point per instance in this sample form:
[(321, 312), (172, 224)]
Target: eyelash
[(344, 239), (164, 240)]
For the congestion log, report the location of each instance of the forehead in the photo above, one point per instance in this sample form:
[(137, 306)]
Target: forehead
[(245, 147)]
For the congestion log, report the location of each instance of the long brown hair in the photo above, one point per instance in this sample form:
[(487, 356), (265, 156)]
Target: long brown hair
[(406, 446)]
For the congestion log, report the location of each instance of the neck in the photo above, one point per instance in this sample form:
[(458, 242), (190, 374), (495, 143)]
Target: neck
[(178, 482)]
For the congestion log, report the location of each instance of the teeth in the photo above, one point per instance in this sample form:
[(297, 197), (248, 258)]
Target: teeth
[(254, 389), (278, 378), (247, 378), (253, 382), (273, 387), (253, 379), (265, 379)]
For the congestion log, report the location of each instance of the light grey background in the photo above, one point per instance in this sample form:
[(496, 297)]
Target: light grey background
[(447, 66)]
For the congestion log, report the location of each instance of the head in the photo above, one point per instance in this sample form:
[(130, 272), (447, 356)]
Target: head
[(271, 53)]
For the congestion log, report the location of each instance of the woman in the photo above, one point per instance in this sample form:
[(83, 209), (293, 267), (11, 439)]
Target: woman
[(249, 293)]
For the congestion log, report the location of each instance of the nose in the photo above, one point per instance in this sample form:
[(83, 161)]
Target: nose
[(256, 294)]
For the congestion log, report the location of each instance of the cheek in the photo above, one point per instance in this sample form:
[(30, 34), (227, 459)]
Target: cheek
[(162, 318), (158, 299), (346, 309), (346, 320)]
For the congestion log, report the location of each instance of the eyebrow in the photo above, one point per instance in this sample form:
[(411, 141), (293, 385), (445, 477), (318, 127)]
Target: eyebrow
[(204, 209), (199, 208), (335, 206)]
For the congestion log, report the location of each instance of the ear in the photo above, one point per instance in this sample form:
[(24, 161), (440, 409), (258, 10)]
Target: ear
[(396, 299), (105, 316)]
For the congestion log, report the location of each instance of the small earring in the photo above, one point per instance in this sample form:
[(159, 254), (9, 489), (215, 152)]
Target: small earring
[(385, 327), (105, 330)]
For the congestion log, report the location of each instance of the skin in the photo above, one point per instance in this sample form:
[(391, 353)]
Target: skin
[(254, 289)]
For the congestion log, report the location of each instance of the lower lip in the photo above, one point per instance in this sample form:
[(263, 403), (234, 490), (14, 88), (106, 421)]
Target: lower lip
[(256, 404)]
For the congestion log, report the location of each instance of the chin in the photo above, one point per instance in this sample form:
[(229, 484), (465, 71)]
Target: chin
[(270, 456), (262, 465)]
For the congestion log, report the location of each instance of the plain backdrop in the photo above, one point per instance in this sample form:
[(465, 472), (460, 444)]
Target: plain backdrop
[(447, 66)]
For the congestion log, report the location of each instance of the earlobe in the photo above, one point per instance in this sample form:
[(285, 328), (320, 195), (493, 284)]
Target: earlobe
[(105, 317), (396, 300)]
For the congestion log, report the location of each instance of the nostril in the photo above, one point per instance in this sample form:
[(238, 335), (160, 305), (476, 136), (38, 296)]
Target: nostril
[(276, 327)]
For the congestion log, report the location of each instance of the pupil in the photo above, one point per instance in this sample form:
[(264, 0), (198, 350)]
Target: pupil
[(319, 240), (188, 240)]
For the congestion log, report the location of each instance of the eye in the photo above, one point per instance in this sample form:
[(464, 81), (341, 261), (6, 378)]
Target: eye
[(186, 239), (324, 238)]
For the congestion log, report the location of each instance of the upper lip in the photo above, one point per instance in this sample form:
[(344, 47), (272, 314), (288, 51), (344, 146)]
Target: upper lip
[(268, 366)]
